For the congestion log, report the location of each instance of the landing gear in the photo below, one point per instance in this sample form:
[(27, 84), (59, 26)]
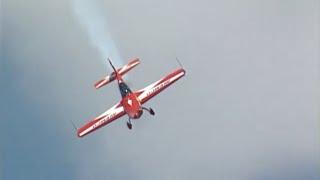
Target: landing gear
[(150, 110), (129, 124)]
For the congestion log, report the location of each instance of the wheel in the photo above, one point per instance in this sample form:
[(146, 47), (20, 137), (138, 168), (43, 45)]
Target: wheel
[(152, 112), (129, 125)]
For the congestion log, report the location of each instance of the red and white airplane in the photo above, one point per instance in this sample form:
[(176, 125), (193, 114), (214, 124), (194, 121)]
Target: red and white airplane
[(131, 102)]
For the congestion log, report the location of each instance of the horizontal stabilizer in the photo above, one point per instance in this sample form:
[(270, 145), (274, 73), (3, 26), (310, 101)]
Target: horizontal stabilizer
[(121, 71)]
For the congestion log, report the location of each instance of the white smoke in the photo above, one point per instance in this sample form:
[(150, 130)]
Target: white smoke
[(91, 17)]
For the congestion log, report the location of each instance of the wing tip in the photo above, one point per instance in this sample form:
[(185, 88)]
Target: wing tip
[(79, 134)]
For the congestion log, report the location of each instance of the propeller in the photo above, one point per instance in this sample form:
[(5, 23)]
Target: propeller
[(112, 65)]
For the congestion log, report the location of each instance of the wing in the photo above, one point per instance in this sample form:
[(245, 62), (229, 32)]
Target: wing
[(148, 92), (105, 118)]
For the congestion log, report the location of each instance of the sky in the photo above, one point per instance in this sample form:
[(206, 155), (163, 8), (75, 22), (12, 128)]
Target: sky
[(246, 109)]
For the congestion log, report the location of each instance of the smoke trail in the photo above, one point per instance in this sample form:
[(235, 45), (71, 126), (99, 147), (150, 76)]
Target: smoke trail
[(90, 16)]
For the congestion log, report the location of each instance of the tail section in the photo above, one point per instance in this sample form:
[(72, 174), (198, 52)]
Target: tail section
[(117, 73)]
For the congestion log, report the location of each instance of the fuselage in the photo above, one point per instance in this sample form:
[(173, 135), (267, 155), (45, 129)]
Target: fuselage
[(130, 102)]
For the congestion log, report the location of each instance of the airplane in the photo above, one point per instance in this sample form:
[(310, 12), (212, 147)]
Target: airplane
[(132, 101)]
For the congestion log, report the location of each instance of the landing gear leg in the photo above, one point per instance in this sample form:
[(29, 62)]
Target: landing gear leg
[(150, 110), (129, 124)]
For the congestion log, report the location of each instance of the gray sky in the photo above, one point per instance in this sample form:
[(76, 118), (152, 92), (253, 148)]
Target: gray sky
[(247, 108)]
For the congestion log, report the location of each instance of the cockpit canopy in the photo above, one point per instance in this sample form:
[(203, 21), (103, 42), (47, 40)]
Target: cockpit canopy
[(124, 89)]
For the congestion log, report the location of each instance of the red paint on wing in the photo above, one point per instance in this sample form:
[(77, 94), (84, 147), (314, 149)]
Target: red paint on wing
[(92, 122), (171, 75)]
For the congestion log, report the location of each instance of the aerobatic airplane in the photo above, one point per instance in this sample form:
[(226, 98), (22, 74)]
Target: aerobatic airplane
[(132, 101)]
